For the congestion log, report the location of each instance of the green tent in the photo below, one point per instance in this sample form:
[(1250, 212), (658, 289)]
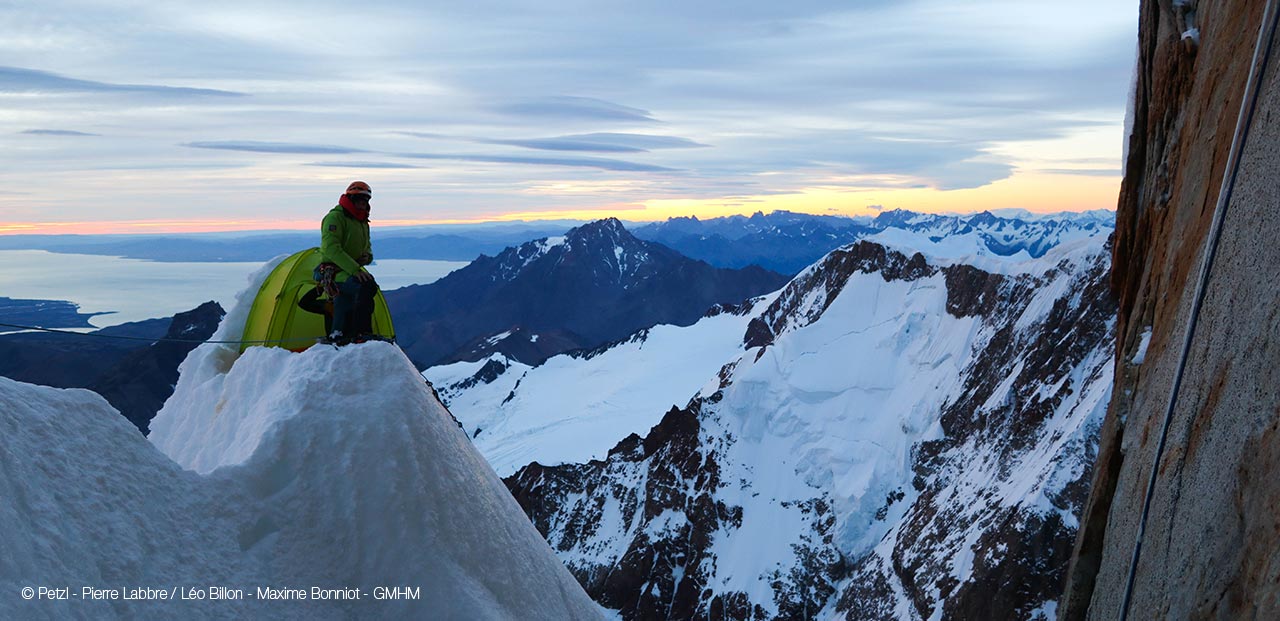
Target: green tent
[(276, 315)]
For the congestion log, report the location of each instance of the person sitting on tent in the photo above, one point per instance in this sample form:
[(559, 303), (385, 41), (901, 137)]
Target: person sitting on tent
[(346, 249)]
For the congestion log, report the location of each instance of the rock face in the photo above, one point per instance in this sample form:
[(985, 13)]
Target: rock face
[(898, 439), (1210, 548)]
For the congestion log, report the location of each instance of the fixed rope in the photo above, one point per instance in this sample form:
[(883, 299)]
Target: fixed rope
[(1248, 107)]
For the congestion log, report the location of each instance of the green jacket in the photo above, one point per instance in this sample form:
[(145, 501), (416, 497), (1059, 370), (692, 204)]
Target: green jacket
[(343, 239)]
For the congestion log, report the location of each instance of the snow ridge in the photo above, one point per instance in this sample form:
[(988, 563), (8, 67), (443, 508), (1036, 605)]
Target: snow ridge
[(332, 468)]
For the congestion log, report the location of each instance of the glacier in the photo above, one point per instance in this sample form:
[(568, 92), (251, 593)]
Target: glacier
[(574, 407)]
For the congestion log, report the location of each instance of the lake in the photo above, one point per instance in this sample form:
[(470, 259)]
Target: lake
[(133, 289)]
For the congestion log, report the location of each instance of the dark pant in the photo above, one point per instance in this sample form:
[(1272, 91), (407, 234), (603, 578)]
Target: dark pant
[(353, 309)]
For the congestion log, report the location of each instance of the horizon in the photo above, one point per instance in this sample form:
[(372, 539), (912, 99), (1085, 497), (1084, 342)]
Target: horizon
[(157, 229), (238, 117)]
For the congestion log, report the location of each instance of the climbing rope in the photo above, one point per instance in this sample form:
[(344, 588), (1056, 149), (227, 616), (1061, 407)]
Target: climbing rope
[(151, 340), (1248, 106)]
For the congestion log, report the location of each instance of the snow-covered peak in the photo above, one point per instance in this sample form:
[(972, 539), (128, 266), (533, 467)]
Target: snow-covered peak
[(787, 242), (902, 218), (605, 244), (510, 263), (968, 248)]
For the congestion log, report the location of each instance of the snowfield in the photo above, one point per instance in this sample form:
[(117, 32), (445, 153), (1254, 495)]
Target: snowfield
[(575, 407), (331, 468)]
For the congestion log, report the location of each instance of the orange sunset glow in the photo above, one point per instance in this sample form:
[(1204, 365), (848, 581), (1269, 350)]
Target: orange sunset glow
[(1038, 193)]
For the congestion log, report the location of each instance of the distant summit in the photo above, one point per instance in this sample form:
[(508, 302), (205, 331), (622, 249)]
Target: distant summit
[(787, 242), (595, 284)]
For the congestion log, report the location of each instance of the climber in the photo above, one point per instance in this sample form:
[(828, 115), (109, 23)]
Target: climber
[(345, 250)]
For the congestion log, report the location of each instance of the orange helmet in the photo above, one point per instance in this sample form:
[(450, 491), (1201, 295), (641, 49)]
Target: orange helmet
[(359, 187)]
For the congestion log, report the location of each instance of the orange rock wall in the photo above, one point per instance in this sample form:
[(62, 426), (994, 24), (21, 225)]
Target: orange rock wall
[(1211, 548)]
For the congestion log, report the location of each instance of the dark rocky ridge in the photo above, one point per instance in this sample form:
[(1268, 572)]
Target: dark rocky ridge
[(598, 285), (140, 383), (135, 373), (68, 360), (1211, 548)]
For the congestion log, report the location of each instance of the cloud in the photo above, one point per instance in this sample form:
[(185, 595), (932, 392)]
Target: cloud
[(577, 162), (20, 80), (785, 95), (599, 142), (271, 147), (1085, 172), (603, 142), (57, 132), (578, 108), (967, 174), (432, 135), (389, 165), (565, 144)]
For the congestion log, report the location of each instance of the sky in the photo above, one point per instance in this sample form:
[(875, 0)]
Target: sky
[(128, 116)]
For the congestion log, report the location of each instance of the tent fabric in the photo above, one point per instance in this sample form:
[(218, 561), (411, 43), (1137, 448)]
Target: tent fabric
[(276, 315)]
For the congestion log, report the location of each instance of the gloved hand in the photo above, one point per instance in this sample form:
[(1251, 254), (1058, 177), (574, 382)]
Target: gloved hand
[(364, 259), (363, 276)]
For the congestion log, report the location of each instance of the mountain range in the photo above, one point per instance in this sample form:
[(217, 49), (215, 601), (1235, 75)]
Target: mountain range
[(787, 242), (893, 434), (440, 243), (900, 430)]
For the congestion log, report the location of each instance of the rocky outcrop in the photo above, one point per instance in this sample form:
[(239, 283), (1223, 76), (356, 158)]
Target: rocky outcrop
[(140, 383), (1209, 549)]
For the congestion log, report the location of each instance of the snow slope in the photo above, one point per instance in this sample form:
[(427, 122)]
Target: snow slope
[(330, 468), (574, 407)]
